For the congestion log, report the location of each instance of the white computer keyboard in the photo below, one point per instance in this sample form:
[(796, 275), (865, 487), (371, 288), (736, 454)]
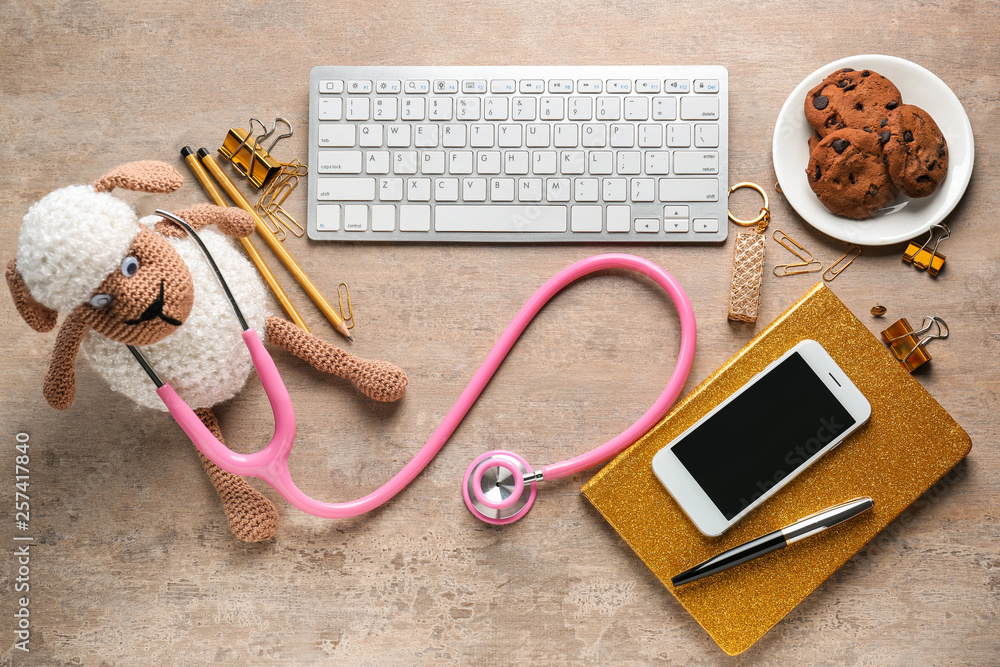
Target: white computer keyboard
[(518, 154)]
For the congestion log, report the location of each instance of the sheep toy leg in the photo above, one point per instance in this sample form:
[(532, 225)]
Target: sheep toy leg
[(252, 517), (379, 380)]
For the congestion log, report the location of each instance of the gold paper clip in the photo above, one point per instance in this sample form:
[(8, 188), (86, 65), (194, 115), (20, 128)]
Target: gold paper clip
[(905, 344), (808, 264), (931, 260), (270, 202), (836, 268), (348, 317), (247, 155)]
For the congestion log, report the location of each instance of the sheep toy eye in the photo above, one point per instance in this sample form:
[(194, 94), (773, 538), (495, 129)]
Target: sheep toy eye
[(100, 300), (130, 266)]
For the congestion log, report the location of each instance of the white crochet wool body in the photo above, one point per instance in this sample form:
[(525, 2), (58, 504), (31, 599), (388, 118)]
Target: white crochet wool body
[(205, 359)]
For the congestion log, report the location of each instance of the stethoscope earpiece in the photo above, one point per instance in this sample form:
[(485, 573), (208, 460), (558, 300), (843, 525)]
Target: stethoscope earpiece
[(495, 490)]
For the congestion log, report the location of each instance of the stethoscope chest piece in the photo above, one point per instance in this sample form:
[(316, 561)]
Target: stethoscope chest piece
[(494, 488)]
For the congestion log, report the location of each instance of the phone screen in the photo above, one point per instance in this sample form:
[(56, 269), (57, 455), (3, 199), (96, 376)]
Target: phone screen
[(764, 434)]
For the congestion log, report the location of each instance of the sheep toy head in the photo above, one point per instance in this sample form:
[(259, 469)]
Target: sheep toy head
[(84, 252)]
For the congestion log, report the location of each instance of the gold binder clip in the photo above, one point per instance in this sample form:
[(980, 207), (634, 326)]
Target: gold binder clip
[(348, 316), (906, 345), (931, 260), (837, 268), (809, 263), (247, 154)]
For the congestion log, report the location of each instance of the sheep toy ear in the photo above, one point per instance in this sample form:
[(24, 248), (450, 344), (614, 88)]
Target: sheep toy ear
[(38, 317), (59, 387), (142, 176)]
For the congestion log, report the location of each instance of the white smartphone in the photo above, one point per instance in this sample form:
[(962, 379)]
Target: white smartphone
[(753, 443)]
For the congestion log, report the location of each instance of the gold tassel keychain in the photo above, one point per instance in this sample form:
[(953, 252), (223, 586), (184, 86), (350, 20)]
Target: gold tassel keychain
[(748, 261)]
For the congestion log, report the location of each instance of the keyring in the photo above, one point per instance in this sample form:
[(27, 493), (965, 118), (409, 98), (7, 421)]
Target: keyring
[(765, 213)]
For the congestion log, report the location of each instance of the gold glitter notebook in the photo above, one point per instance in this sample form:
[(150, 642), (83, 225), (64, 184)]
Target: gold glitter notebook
[(906, 446)]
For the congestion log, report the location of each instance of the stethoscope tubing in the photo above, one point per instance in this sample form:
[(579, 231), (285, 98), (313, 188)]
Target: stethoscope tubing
[(271, 463)]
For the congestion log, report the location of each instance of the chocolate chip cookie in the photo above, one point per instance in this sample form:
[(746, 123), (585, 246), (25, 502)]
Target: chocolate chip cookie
[(850, 98), (915, 150), (848, 174)]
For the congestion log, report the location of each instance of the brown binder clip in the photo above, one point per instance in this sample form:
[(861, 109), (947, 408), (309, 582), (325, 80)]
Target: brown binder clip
[(931, 260), (906, 344), (248, 156)]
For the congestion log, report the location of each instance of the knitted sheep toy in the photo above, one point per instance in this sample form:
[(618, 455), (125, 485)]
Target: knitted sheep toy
[(82, 251)]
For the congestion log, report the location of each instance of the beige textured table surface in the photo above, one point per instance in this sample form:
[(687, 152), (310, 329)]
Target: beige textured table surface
[(132, 561)]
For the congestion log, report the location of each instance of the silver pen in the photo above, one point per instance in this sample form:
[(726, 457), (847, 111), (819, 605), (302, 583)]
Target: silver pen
[(779, 539)]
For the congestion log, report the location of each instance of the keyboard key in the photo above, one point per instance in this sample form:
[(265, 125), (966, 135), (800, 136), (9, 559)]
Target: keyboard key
[(552, 108), (629, 162), (619, 218), (501, 189), (377, 162), (676, 85), (676, 225), (358, 108), (676, 212), (622, 135), (705, 225), (446, 189), (587, 219), (609, 108), (495, 108), (413, 109), (328, 217), (336, 135), (643, 189), (383, 218), (706, 85), (678, 135), (589, 86), (439, 108), (515, 162), (658, 162), (523, 108), (513, 218), (390, 189), (468, 108), (586, 189), (636, 108), (619, 86), (573, 162), (689, 189), (385, 108), (425, 136), (538, 135), (488, 162), (647, 86), (386, 87), (581, 108), (474, 189), (331, 108), (615, 189), (544, 162), (557, 189), (453, 135), (561, 86), (532, 86), (503, 86), (460, 162), (481, 136), (664, 108), (699, 108), (414, 218), (359, 87), (650, 135), (404, 162), (566, 135), (370, 135), (417, 86), (529, 189), (345, 189), (446, 86), (509, 136), (475, 86), (398, 136), (706, 136), (601, 162), (339, 162), (418, 189), (355, 218), (331, 86), (432, 162), (647, 225), (694, 162), (594, 135)]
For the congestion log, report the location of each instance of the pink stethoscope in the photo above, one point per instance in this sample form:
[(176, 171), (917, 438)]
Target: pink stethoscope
[(499, 487)]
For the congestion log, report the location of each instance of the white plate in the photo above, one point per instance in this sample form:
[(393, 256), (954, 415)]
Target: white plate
[(904, 218)]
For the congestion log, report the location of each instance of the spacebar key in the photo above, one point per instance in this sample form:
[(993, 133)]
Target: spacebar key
[(499, 218)]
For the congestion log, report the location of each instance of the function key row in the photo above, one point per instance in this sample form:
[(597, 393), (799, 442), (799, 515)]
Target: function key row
[(524, 86)]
